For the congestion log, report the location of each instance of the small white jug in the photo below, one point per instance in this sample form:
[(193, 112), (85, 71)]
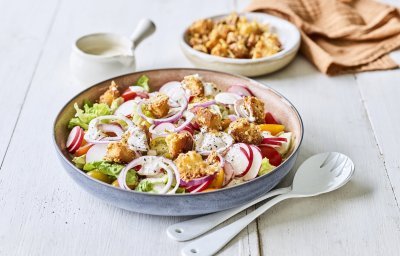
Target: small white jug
[(100, 56)]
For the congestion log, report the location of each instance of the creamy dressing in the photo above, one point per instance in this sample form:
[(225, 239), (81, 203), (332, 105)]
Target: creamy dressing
[(210, 89), (110, 50), (137, 140), (212, 141), (248, 112)]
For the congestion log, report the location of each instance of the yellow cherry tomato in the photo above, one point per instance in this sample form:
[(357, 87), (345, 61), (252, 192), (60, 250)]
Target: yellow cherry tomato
[(99, 176), (209, 189), (274, 129), (218, 180)]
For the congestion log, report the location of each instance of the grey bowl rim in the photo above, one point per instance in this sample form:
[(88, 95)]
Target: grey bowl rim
[(184, 194)]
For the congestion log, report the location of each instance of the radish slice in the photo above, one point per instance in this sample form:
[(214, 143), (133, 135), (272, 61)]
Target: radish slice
[(126, 108), (284, 148), (142, 95), (136, 89), (239, 161), (227, 98), (240, 90), (78, 143), (255, 167), (271, 142), (229, 173), (245, 149), (96, 153), (173, 90), (75, 139)]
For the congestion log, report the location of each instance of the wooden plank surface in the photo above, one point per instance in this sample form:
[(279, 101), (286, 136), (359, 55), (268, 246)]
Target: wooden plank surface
[(361, 218), (43, 212), (23, 29)]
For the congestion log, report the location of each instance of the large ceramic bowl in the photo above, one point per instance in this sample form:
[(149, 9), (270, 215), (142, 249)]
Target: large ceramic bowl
[(181, 204), (288, 34)]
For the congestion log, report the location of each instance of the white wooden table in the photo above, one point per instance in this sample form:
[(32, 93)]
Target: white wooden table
[(43, 212)]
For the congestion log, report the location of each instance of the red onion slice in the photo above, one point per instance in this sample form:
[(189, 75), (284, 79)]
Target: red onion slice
[(202, 104), (233, 117), (111, 128), (163, 163), (227, 98), (196, 189), (237, 106), (196, 182), (241, 112), (188, 118), (93, 134), (169, 119), (161, 130)]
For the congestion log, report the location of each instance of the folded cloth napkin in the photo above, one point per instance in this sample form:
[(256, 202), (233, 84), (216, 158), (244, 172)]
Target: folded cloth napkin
[(341, 36)]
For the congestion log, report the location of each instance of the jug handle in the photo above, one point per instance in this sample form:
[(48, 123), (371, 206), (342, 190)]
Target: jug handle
[(144, 29)]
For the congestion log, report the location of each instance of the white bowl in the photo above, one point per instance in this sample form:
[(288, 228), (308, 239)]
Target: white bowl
[(288, 35)]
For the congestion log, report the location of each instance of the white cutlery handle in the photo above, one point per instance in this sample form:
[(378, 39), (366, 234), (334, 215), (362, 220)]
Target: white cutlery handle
[(213, 242), (143, 30), (193, 228)]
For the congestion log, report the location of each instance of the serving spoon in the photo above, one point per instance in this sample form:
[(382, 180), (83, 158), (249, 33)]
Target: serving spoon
[(319, 174)]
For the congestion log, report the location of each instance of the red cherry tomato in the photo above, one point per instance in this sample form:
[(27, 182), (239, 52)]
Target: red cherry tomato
[(273, 156), (269, 119), (128, 95)]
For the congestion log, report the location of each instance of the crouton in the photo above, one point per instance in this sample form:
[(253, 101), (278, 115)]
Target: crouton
[(179, 143), (194, 84), (110, 95), (225, 123), (205, 117), (191, 166), (120, 152), (244, 131), (213, 158), (158, 105), (255, 108)]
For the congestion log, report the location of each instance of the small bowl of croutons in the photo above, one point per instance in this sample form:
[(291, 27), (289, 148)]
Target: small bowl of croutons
[(249, 44)]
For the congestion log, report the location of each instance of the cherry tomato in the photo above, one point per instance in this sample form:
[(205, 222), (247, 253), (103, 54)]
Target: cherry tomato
[(128, 95), (273, 156), (269, 119)]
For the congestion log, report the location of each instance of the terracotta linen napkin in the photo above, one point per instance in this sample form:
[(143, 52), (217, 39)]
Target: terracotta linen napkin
[(341, 36)]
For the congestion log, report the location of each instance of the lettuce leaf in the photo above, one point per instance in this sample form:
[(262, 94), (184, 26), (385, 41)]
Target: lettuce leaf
[(153, 185), (143, 82), (79, 161), (116, 103), (266, 167), (87, 114), (113, 170), (144, 186)]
